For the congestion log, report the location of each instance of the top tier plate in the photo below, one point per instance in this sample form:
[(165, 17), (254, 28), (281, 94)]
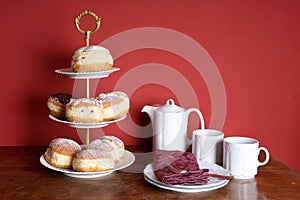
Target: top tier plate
[(85, 75)]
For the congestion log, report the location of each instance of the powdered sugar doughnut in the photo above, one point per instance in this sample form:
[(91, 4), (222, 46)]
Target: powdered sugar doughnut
[(102, 146), (92, 160), (61, 151), (117, 144)]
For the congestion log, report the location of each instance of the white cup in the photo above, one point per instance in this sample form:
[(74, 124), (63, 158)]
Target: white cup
[(208, 145), (240, 156)]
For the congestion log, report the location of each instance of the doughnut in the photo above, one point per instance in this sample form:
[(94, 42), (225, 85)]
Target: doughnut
[(102, 146), (115, 105), (117, 145), (92, 160), (91, 59), (84, 110), (61, 151), (57, 103)]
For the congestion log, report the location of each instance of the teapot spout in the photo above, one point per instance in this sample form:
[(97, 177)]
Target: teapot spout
[(149, 110)]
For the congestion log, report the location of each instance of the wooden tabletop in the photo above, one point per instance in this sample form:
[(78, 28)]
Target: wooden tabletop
[(23, 177)]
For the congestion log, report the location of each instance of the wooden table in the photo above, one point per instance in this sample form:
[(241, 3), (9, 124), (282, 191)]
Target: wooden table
[(23, 177)]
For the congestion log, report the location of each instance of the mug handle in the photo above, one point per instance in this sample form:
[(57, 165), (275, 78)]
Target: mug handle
[(188, 111), (267, 156)]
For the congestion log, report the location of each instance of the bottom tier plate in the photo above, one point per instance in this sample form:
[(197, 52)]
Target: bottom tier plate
[(124, 162)]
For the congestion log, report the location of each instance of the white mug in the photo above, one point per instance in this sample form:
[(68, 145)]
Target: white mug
[(207, 145), (240, 156)]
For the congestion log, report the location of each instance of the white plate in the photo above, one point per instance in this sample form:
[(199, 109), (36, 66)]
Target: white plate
[(213, 184), (86, 125), (84, 75), (126, 161)]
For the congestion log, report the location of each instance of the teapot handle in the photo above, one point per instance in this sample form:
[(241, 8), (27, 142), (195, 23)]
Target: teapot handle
[(188, 111)]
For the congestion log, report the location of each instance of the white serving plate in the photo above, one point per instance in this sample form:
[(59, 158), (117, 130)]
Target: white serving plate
[(86, 125), (213, 184), (85, 75), (124, 162)]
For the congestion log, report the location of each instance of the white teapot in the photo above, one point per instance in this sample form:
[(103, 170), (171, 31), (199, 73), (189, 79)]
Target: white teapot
[(169, 124)]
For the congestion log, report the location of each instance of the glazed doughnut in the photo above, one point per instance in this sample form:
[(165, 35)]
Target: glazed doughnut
[(84, 110), (91, 59), (57, 104), (61, 151), (115, 105), (92, 160), (117, 145)]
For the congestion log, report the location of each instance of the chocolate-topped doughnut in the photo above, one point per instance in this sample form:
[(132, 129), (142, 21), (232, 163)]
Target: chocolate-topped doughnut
[(57, 104), (63, 98)]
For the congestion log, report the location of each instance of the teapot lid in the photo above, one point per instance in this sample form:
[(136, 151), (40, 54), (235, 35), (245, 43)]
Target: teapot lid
[(170, 107)]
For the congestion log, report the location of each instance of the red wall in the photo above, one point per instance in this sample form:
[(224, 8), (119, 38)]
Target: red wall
[(254, 44)]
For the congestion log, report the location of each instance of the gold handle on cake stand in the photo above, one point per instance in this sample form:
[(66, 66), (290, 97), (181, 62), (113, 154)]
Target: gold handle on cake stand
[(87, 34)]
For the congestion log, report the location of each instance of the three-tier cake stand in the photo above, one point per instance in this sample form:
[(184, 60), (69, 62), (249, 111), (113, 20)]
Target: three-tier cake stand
[(128, 158)]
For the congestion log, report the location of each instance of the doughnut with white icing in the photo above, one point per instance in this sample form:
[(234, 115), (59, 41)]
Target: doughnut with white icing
[(91, 59), (115, 104), (85, 110)]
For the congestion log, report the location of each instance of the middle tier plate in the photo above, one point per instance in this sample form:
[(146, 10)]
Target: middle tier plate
[(86, 125)]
